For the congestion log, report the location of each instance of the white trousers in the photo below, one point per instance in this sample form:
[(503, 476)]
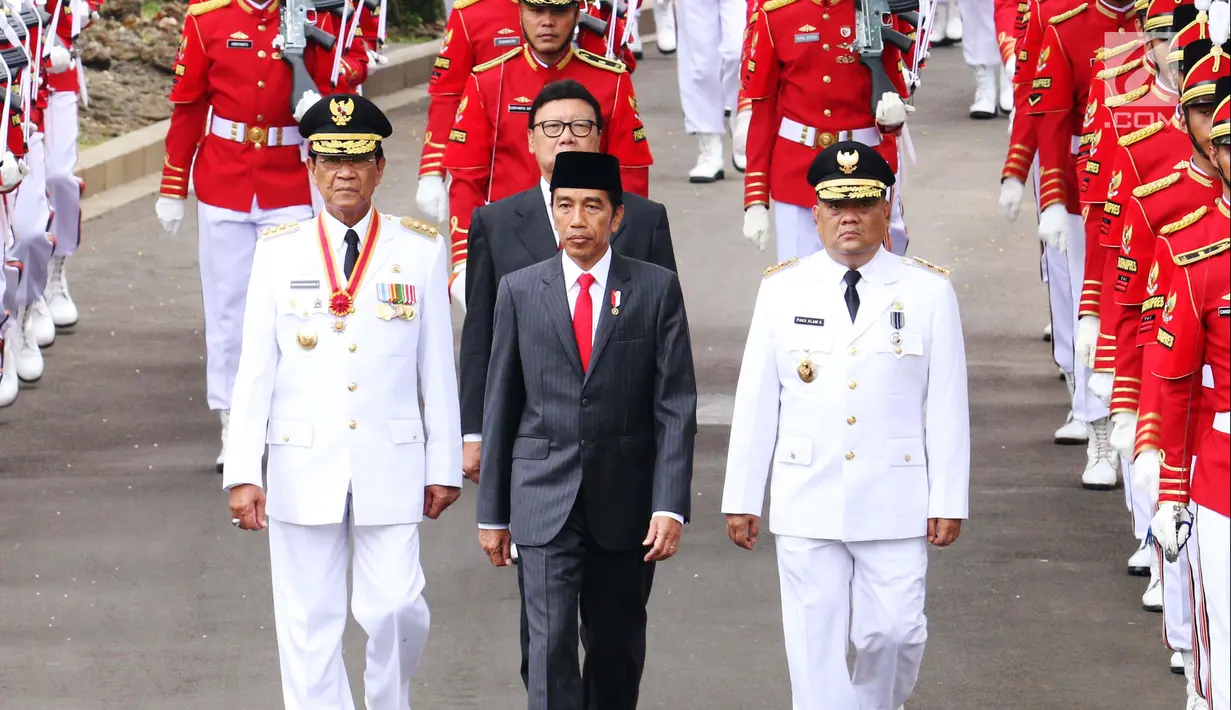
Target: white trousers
[(1210, 558), (710, 37), (308, 565), (63, 188), (226, 241), (1177, 597), (1140, 507), (30, 216), (1065, 273), (979, 45), (795, 230), (10, 275), (868, 594)]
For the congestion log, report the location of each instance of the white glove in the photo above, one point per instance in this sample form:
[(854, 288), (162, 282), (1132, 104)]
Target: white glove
[(12, 170), (756, 225), (433, 198), (1100, 384), (60, 60), (170, 211), (739, 137), (891, 111), (1147, 468), (305, 102), (376, 58), (1011, 190), (1124, 433), (457, 290), (1086, 342), (1053, 227), (1172, 525)]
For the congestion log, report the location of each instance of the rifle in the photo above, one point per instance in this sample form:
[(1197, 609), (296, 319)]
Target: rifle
[(873, 29), (34, 17), (296, 28), (20, 30), (335, 6), (602, 27), (15, 59)]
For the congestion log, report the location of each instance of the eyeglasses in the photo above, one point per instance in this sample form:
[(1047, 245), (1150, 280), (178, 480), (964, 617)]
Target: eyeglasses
[(335, 162), (555, 129)]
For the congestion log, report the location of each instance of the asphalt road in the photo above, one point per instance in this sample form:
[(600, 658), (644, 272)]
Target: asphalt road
[(123, 584)]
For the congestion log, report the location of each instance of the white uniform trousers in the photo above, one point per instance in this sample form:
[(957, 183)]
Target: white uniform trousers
[(226, 240), (710, 37), (1210, 559), (1140, 507), (979, 45), (1065, 273), (63, 188), (1177, 598), (10, 274), (869, 594), (795, 230), (30, 215), (308, 564)]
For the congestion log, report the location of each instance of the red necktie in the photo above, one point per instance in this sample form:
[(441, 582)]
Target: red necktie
[(583, 320)]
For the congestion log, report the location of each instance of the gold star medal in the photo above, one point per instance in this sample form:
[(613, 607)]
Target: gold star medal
[(339, 326)]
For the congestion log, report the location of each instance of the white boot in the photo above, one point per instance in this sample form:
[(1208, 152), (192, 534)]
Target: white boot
[(634, 39), (225, 416), (938, 38), (1102, 461), (43, 325), (1195, 702), (709, 161), (664, 25), (984, 105), (59, 302), (953, 27), (1006, 87), (1074, 432), (1139, 562), (1177, 663), (1152, 600), (29, 357), (8, 363)]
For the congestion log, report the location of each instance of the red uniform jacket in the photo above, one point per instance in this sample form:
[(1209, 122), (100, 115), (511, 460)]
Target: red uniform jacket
[(1007, 15), (227, 61), (487, 155), (67, 81), (745, 103), (1024, 132), (799, 50)]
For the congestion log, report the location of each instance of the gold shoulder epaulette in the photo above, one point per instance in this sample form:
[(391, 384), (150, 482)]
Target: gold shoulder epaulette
[(1127, 97), (775, 4), (1057, 19), (1187, 221), (1152, 187), (598, 60), (1182, 165), (782, 264), (916, 261), (1141, 134), (281, 228), (498, 60), (421, 228), (208, 6), (1111, 72), (1105, 52), (459, 4), (1205, 252)]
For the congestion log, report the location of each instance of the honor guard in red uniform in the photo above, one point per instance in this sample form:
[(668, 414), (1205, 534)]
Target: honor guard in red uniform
[(487, 156), (1059, 94), (246, 163), (798, 49), (13, 170), (743, 104), (477, 32)]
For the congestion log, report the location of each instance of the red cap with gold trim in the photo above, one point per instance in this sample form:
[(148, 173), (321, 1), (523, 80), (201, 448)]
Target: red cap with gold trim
[(1189, 23), (1220, 132)]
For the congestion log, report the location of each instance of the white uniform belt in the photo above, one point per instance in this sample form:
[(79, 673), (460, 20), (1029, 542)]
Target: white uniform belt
[(797, 132), (1222, 422), (257, 135)]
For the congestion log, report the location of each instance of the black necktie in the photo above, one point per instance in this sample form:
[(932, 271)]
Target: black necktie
[(852, 296), (352, 252)]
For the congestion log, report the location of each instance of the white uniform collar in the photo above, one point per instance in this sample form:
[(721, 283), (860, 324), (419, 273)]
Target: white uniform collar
[(875, 270), (336, 231)]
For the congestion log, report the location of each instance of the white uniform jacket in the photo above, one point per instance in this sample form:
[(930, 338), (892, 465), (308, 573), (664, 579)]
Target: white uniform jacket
[(339, 408), (879, 440)]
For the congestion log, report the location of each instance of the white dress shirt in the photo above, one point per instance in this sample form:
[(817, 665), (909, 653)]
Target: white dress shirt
[(598, 289), (336, 232), (551, 216)]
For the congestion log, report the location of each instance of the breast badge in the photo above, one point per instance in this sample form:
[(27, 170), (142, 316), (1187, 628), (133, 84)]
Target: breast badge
[(806, 370), (306, 337)]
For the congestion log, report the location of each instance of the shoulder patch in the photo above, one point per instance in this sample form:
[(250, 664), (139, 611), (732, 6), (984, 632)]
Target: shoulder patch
[(1105, 52), (1124, 68), (775, 4), (421, 228), (498, 60), (916, 261), (598, 60), (1205, 252), (1141, 134), (1057, 19), (281, 228), (461, 4), (208, 6), (1154, 186), (782, 264), (1187, 220)]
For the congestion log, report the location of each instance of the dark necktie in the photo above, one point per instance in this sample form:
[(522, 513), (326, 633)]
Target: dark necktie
[(352, 252), (852, 296)]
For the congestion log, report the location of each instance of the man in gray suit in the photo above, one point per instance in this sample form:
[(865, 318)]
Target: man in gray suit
[(588, 433)]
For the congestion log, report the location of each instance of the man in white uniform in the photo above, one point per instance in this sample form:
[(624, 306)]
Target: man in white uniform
[(853, 392), (710, 35), (346, 327)]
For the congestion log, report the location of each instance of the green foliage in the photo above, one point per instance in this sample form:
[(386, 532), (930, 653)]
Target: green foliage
[(149, 9), (413, 14)]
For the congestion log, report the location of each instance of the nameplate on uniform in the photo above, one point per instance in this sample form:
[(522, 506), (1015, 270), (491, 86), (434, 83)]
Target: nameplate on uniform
[(805, 320), (457, 136), (306, 284), (1224, 311), (1153, 303), (1111, 208), (806, 37), (1126, 264), (1041, 84), (239, 44), (518, 108), (442, 62), (1166, 339), (1092, 167), (507, 41)]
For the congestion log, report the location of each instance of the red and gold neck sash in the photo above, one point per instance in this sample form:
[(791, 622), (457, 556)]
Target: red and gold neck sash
[(342, 300)]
